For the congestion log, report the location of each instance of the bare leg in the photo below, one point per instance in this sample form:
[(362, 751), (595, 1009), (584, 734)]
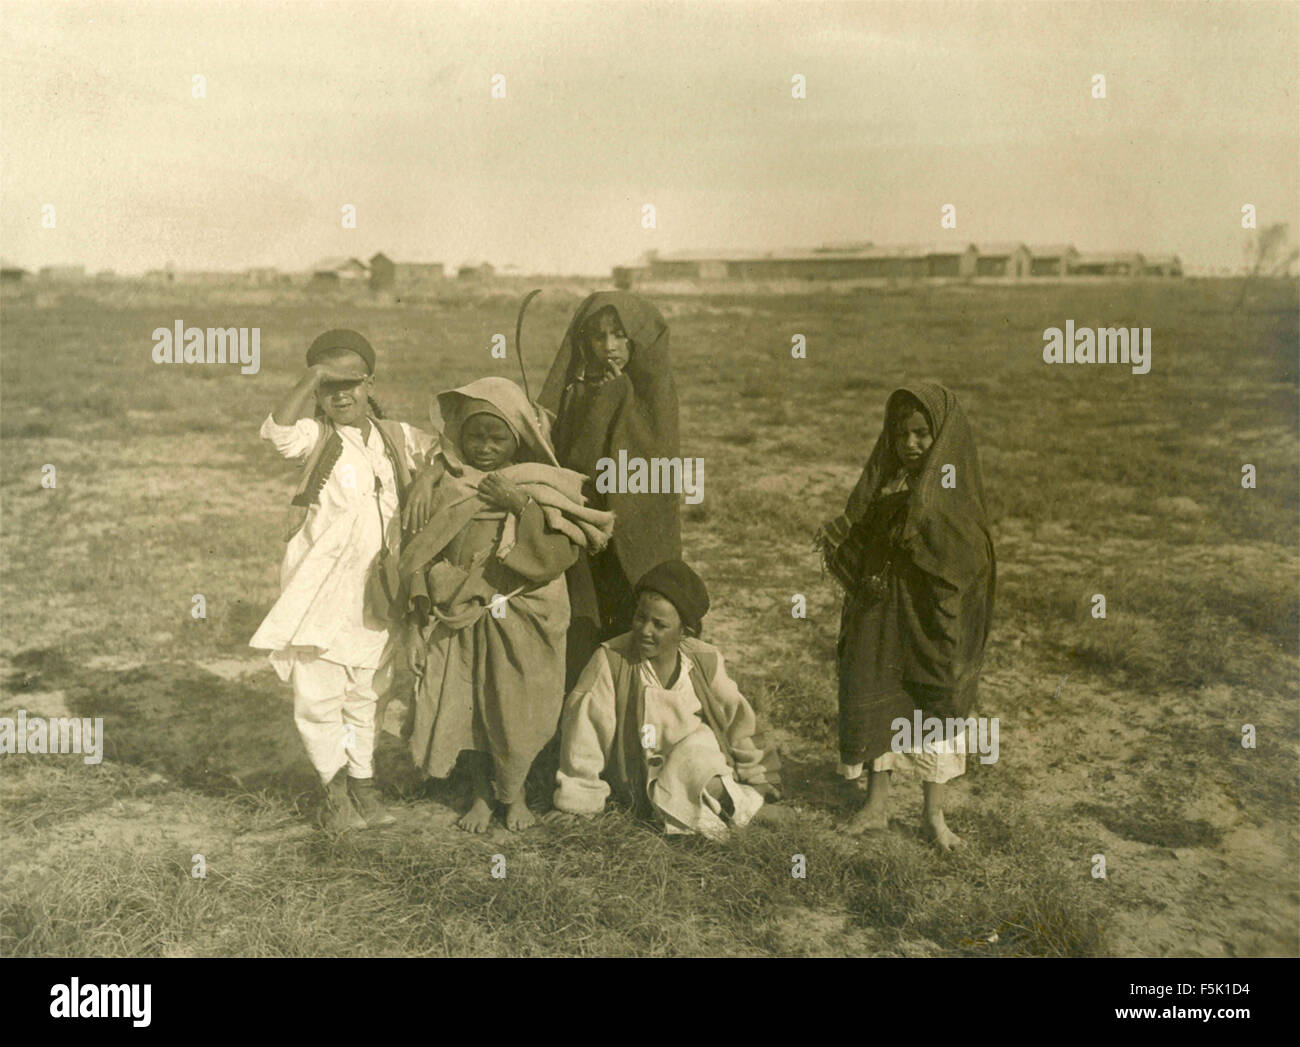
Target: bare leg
[(479, 816), (932, 815), (874, 815)]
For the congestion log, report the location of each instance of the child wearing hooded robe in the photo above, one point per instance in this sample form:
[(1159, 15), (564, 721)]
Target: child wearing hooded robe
[(656, 719), (915, 556), (485, 594), (324, 634), (610, 390)]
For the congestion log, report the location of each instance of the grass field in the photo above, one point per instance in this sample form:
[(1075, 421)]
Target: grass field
[(1119, 737)]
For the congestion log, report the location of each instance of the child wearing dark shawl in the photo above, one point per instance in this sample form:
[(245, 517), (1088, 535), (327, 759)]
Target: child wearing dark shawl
[(611, 390), (483, 585), (915, 556)]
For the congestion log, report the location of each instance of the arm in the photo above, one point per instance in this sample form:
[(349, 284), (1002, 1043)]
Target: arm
[(586, 739), (294, 404), (292, 441), (291, 427), (419, 496)]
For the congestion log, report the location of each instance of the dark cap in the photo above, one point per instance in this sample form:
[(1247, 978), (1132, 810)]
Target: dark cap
[(342, 338), (681, 587)]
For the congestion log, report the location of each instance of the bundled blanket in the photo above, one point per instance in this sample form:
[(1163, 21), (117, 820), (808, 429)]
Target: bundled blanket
[(557, 491)]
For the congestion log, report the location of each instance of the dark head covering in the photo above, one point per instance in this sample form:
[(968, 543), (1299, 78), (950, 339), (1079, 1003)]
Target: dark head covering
[(681, 587), (947, 528), (636, 412), (342, 338)]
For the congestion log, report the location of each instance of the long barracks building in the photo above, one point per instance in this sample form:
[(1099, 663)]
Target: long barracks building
[(868, 261)]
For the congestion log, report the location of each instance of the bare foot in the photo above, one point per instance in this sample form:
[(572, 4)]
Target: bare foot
[(944, 838), (477, 818), (873, 818), (519, 817)]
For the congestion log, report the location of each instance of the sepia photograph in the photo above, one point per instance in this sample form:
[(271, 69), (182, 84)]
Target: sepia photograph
[(709, 478)]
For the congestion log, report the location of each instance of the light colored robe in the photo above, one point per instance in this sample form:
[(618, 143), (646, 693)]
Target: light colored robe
[(321, 608), (680, 751)]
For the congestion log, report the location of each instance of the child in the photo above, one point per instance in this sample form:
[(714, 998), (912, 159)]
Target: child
[(914, 553), (611, 390), (323, 633), (656, 715), (484, 586)]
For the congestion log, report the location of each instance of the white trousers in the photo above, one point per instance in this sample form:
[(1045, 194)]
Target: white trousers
[(334, 707)]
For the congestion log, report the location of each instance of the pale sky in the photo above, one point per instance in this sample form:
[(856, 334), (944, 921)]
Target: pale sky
[(609, 106)]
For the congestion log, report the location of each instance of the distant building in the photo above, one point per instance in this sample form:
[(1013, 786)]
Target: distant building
[(1004, 259), (1163, 265), (865, 260), (844, 247), (626, 276), (160, 276), (385, 274), (1051, 259), (899, 262), (207, 277), (476, 271), (63, 273), (834, 263), (951, 260), (1104, 263), (338, 272), (265, 276), (11, 275)]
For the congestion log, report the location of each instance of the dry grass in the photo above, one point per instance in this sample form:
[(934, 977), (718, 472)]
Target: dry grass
[(1099, 480)]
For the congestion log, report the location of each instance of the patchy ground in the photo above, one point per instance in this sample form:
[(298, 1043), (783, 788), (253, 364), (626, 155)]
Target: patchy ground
[(1119, 737)]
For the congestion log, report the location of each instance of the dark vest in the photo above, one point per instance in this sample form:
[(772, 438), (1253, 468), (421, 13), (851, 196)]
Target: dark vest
[(625, 771)]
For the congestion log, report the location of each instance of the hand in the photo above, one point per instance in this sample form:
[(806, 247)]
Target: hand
[(419, 498), (333, 372), (502, 493), (770, 793), (415, 653)]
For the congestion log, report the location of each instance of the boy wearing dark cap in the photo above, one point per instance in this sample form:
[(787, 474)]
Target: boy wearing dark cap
[(328, 632), (656, 720)]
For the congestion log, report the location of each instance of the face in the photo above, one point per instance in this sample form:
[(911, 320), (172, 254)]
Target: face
[(656, 626), (346, 403), (912, 440), (606, 340), (487, 442)]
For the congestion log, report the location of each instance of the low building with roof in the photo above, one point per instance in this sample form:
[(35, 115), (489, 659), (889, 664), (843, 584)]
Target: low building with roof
[(1008, 260), (1108, 263), (1051, 259), (1162, 265)]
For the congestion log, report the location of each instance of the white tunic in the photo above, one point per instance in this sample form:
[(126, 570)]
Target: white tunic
[(321, 609), (681, 751)]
